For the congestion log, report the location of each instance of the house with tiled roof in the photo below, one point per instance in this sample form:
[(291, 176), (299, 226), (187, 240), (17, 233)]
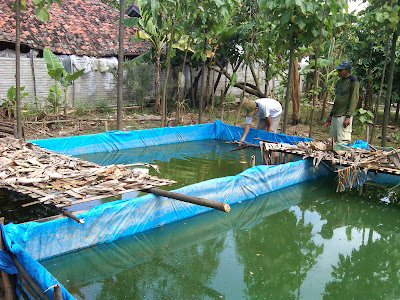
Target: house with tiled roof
[(84, 33)]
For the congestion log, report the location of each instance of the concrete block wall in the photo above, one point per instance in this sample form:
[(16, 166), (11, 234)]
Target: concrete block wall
[(91, 89), (96, 88)]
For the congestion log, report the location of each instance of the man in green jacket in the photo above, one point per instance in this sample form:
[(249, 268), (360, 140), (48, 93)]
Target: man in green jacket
[(346, 98)]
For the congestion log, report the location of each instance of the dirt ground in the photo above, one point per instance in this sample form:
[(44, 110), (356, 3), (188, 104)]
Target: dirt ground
[(95, 121), (77, 125)]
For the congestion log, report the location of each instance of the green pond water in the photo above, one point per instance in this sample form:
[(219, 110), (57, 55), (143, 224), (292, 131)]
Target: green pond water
[(301, 242), (186, 163)]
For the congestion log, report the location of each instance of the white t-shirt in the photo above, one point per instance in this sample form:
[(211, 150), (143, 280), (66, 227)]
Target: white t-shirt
[(267, 107)]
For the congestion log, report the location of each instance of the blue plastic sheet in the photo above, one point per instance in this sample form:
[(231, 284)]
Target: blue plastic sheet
[(120, 140), (360, 144), (114, 220), (6, 263)]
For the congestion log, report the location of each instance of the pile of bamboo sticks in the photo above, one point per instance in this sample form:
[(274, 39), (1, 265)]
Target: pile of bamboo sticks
[(351, 164), (62, 180)]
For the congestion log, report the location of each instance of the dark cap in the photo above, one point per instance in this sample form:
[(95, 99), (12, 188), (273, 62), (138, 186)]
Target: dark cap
[(344, 64)]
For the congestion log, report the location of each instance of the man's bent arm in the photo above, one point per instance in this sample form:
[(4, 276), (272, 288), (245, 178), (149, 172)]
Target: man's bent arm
[(268, 119), (245, 132)]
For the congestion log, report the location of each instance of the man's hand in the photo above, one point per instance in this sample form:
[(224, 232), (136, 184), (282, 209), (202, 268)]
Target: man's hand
[(329, 120), (245, 132), (269, 129), (346, 122)]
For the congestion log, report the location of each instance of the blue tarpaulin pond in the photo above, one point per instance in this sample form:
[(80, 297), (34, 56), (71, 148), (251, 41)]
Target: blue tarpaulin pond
[(34, 241)]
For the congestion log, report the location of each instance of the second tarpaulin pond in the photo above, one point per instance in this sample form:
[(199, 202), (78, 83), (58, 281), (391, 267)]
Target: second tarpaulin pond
[(305, 241)]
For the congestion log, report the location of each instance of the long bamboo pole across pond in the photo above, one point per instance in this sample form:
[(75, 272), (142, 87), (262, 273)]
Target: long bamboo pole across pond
[(191, 199)]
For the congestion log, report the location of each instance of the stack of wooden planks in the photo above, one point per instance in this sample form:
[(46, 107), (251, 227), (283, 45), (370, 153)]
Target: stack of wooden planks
[(62, 180)]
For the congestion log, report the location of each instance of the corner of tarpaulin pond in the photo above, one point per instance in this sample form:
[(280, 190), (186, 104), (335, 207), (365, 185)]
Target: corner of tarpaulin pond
[(31, 277)]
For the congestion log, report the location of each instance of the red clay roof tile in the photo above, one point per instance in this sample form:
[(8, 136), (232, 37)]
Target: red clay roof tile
[(79, 27)]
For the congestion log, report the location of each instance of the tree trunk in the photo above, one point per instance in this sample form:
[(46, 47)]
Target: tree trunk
[(182, 89), (194, 85), (191, 86), (164, 97), (389, 89), (316, 72), (18, 69), (285, 115), (266, 71), (215, 85), (296, 117), (120, 79), (376, 111), (208, 83), (368, 89), (202, 83), (253, 73), (241, 98), (250, 88), (157, 98)]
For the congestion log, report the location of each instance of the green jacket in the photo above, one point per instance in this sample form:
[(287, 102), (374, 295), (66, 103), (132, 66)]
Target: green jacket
[(346, 96)]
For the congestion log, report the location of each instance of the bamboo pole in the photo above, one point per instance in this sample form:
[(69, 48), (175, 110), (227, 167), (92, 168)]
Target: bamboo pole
[(66, 213), (191, 199), (22, 291), (23, 274), (8, 287), (28, 288)]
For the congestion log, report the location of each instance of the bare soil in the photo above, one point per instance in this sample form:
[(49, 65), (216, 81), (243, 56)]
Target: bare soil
[(77, 125), (92, 121)]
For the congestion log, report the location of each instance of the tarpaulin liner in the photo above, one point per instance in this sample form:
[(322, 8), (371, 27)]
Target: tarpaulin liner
[(94, 264), (118, 219), (120, 140), (115, 220)]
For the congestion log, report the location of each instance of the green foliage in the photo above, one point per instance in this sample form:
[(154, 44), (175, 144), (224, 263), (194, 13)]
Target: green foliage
[(302, 18), (138, 79), (81, 110), (233, 79), (57, 71), (104, 108), (7, 108), (364, 117), (54, 98), (388, 16)]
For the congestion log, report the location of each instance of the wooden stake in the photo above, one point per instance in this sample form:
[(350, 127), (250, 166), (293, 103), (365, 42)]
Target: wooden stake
[(57, 295), (191, 199), (8, 287)]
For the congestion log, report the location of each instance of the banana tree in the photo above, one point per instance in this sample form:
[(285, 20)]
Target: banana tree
[(57, 71), (42, 14)]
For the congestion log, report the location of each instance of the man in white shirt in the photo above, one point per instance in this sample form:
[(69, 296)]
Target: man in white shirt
[(267, 110)]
